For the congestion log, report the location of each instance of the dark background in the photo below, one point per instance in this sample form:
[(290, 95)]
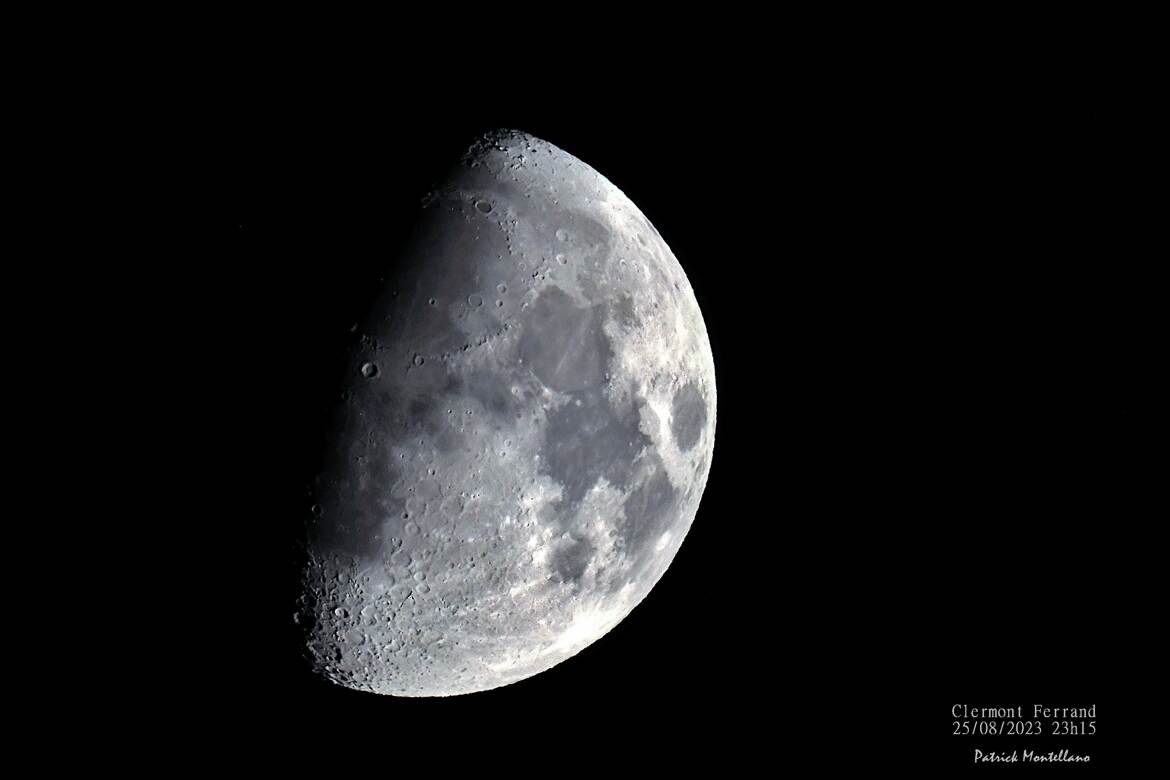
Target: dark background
[(921, 489)]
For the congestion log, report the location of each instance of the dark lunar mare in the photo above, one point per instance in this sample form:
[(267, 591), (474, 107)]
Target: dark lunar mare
[(649, 510), (688, 416)]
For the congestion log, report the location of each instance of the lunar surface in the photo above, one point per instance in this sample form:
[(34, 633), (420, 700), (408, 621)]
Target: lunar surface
[(523, 439)]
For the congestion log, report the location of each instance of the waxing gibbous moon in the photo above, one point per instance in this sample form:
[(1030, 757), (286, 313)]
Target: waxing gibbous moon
[(522, 440)]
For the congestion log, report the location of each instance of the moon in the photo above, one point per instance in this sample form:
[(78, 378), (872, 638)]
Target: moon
[(522, 439)]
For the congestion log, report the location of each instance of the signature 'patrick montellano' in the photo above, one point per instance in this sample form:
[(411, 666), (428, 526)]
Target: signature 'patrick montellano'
[(1062, 756)]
